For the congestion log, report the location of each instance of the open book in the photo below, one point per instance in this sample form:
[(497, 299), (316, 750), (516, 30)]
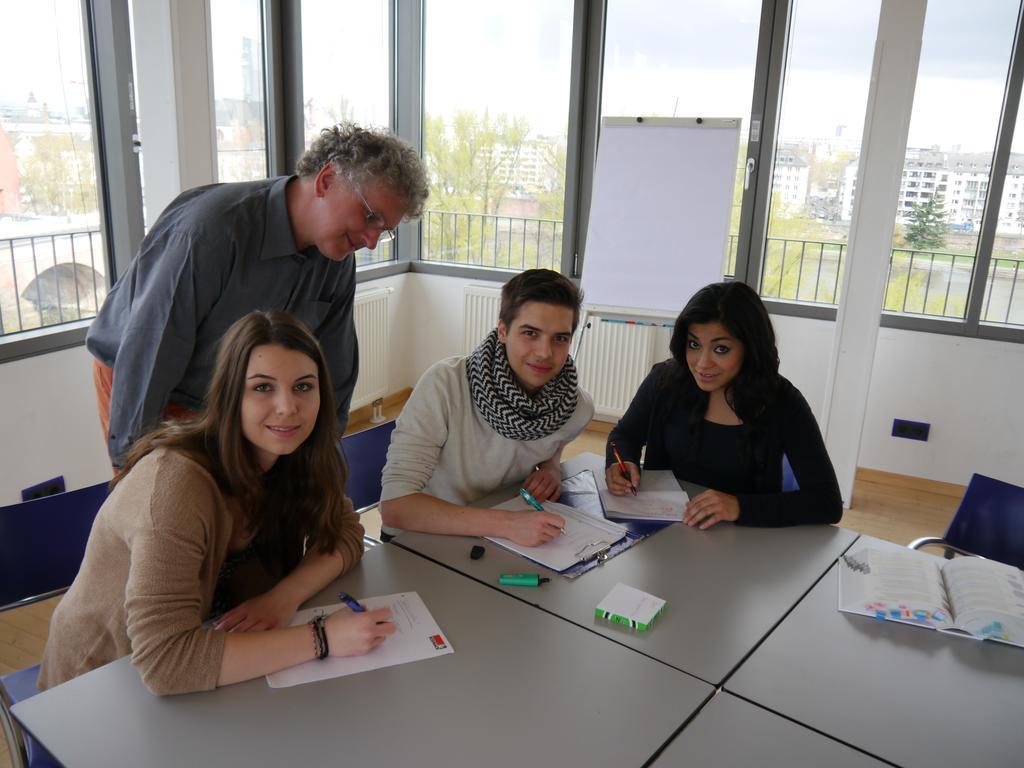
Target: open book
[(967, 596), (659, 497)]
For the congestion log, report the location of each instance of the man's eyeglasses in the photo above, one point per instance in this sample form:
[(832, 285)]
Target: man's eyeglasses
[(376, 221)]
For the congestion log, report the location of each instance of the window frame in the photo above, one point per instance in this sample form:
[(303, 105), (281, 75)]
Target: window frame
[(118, 180), (108, 43), (751, 246)]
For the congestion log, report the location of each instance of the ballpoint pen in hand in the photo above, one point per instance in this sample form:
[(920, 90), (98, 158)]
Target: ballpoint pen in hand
[(351, 602), (534, 503), (623, 470), (530, 500)]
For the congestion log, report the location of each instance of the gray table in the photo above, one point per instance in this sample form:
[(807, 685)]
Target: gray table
[(726, 587), (522, 688), (906, 694), (729, 732)]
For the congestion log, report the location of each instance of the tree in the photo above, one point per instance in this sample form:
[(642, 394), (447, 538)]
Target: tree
[(472, 161), (59, 176), (552, 199), (927, 228)]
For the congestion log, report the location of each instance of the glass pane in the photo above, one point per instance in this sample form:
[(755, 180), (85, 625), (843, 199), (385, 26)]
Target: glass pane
[(964, 58), (346, 74), (236, 29), (824, 98), (52, 262), (1004, 289), (494, 138), (692, 58)]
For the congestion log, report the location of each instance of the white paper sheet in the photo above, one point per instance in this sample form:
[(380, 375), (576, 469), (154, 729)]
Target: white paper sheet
[(584, 536), (659, 497), (416, 637), (631, 603)]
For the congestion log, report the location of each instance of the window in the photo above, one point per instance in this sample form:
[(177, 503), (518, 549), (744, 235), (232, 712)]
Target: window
[(964, 57), (495, 127), (346, 50), (698, 59), (52, 251), (825, 91), (238, 88), (1004, 285)]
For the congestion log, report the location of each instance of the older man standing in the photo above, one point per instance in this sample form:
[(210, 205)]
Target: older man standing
[(220, 251)]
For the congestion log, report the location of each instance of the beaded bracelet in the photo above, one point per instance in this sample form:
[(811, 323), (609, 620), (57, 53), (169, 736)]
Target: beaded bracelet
[(320, 647), (316, 639)]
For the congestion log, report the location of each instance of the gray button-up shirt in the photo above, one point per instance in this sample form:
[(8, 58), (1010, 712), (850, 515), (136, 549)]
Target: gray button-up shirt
[(215, 254)]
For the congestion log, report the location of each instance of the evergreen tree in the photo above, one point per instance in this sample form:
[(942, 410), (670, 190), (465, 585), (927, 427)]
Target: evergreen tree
[(927, 226)]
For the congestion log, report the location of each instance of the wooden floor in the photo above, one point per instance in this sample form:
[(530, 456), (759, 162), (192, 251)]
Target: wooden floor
[(891, 507)]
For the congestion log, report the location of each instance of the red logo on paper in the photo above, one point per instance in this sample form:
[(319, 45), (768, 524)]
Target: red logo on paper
[(439, 643)]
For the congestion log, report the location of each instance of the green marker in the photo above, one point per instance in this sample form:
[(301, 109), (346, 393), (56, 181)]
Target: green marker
[(522, 579)]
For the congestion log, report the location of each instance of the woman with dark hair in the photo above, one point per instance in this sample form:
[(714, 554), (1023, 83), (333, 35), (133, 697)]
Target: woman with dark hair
[(718, 414), (238, 516)]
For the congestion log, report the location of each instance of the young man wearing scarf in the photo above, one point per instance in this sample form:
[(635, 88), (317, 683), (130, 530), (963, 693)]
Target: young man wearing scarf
[(499, 416)]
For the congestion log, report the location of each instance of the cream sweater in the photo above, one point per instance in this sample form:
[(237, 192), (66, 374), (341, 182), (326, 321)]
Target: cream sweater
[(147, 581), (442, 446)]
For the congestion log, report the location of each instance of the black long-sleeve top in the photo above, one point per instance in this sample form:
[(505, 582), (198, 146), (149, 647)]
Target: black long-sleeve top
[(744, 461)]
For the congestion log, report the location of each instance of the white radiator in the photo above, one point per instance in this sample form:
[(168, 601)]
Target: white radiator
[(482, 304), (371, 320), (613, 359)]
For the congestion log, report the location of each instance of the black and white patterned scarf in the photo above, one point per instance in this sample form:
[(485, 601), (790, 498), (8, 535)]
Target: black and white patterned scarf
[(503, 403)]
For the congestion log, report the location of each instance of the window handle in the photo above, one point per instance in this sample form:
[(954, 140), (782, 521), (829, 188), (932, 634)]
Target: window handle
[(747, 173)]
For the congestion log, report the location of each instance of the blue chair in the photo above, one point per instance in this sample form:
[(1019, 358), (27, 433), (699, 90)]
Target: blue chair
[(366, 453), (988, 523), (41, 547), (789, 482)]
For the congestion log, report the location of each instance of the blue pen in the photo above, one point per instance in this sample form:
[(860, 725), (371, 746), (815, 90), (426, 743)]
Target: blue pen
[(351, 602), (530, 500)]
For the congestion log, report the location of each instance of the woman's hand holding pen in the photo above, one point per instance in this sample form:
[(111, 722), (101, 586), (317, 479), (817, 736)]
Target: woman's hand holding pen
[(353, 634), (544, 483), (617, 483), (710, 507), (531, 529)]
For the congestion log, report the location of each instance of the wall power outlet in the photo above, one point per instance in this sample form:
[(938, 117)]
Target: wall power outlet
[(911, 430)]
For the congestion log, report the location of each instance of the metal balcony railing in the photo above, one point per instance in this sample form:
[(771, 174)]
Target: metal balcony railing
[(928, 283), (486, 240), (50, 279), (57, 278)]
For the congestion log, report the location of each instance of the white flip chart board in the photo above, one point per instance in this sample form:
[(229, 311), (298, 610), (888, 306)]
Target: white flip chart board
[(660, 210)]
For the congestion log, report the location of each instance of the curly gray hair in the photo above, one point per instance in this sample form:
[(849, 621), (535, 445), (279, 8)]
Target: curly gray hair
[(364, 154)]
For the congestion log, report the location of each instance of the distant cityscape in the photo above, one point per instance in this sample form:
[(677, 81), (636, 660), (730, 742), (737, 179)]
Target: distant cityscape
[(814, 178), (959, 178)]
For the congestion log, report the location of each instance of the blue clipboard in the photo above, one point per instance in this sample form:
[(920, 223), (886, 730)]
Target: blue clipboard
[(581, 492)]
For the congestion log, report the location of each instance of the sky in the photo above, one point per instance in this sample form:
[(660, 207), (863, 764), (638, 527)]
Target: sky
[(41, 52), (688, 57)]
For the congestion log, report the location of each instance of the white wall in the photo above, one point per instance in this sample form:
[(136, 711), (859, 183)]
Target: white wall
[(967, 389), (804, 349), (50, 426), (438, 309)]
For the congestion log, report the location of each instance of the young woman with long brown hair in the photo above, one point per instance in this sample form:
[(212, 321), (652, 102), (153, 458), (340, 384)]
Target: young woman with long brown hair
[(238, 516)]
